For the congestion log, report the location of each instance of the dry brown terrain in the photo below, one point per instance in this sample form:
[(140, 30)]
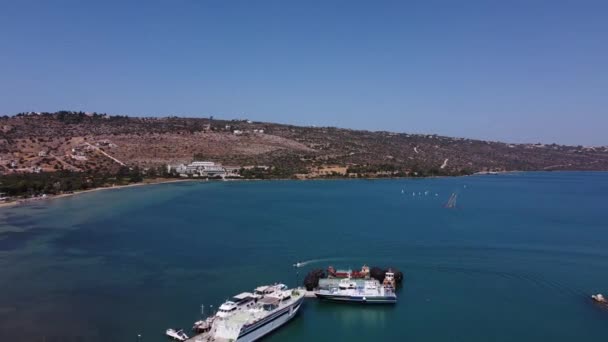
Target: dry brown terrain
[(80, 142)]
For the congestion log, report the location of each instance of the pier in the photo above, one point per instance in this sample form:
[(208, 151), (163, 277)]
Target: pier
[(309, 294)]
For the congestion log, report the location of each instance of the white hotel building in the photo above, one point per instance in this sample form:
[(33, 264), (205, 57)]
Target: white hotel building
[(204, 169)]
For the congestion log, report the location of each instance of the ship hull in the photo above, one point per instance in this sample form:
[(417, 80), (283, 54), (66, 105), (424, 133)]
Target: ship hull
[(358, 299), (273, 322)]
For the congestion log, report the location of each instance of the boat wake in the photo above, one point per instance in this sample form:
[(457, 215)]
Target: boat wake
[(316, 261)]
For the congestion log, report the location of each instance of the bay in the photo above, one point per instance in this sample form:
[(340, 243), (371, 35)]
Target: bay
[(515, 260)]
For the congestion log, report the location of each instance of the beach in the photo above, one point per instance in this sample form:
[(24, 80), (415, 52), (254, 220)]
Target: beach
[(23, 201)]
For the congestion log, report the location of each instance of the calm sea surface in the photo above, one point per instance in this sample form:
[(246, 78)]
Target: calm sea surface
[(515, 261)]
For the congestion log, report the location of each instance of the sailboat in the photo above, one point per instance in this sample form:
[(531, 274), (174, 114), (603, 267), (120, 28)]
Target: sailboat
[(452, 201)]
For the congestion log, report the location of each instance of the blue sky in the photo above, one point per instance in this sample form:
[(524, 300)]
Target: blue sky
[(516, 71)]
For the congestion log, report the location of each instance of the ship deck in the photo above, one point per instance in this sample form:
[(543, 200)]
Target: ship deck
[(240, 318), (326, 283)]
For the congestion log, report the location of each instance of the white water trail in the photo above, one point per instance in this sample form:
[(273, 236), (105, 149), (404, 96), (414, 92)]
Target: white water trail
[(315, 261)]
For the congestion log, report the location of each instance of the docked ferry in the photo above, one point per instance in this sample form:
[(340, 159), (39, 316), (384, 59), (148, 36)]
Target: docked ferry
[(371, 292), (250, 316)]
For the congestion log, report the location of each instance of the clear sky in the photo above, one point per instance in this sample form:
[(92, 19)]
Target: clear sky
[(516, 71)]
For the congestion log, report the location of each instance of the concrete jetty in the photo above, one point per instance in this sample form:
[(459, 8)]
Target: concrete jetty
[(310, 294)]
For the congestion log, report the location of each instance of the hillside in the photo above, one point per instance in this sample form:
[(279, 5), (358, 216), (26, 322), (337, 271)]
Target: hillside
[(98, 142)]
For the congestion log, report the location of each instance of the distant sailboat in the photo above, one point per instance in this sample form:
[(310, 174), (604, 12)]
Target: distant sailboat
[(452, 201)]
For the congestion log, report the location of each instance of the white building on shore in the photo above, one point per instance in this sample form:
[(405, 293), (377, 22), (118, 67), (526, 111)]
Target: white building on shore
[(204, 169)]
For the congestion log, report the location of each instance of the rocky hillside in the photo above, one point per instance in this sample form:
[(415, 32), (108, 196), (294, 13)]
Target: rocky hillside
[(34, 142)]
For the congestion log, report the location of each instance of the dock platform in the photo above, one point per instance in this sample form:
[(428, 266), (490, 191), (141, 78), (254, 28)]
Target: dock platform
[(310, 294)]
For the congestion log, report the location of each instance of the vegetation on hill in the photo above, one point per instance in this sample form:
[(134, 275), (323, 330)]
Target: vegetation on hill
[(94, 148)]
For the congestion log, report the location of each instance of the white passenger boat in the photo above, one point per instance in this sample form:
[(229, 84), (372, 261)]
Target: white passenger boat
[(250, 316), (372, 292)]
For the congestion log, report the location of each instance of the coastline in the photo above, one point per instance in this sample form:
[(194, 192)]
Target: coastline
[(24, 201)]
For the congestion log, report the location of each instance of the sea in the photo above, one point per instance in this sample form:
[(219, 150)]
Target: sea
[(515, 259)]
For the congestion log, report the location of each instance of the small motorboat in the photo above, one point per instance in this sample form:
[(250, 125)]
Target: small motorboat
[(298, 264), (177, 335), (202, 325), (599, 298)]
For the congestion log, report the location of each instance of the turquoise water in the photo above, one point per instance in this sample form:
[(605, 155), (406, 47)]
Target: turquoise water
[(516, 260)]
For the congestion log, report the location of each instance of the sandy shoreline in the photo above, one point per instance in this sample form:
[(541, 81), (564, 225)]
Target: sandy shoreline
[(24, 201)]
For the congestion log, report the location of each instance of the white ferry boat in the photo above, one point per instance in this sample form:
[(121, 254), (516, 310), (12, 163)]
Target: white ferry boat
[(250, 316), (372, 292)]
